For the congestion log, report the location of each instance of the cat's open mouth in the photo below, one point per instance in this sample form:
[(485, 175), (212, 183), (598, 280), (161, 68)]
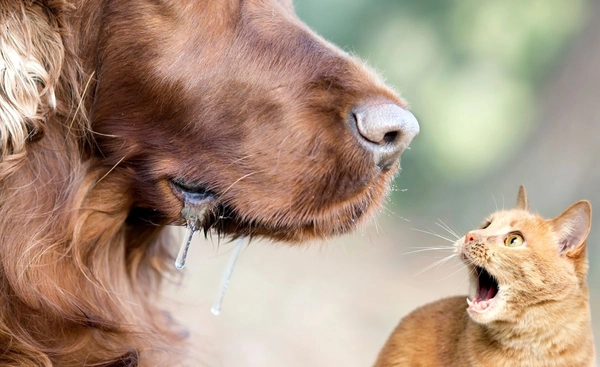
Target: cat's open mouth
[(487, 289)]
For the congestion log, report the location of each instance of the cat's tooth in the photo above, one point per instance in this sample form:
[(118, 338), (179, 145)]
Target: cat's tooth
[(469, 302)]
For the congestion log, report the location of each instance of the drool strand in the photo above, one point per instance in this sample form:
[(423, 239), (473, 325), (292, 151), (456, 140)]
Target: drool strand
[(216, 308), (185, 246), (193, 214)]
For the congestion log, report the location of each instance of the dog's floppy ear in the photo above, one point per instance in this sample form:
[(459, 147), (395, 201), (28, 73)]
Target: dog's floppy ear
[(31, 57)]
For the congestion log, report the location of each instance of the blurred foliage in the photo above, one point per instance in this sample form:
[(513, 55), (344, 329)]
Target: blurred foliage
[(471, 71)]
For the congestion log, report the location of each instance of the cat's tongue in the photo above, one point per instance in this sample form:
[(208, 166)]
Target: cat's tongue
[(486, 291), (487, 288)]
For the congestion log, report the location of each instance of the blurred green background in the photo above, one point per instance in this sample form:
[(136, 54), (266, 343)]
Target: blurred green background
[(507, 93)]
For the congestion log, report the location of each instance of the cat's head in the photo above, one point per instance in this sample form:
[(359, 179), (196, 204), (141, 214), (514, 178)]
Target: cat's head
[(520, 261)]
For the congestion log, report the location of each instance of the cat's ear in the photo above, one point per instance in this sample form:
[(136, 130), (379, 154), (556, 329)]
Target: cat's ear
[(522, 202), (573, 226)]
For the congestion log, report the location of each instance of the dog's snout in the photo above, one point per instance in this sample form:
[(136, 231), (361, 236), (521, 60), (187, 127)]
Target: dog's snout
[(385, 129)]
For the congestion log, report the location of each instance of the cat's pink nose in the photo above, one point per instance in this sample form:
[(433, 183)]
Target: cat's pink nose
[(470, 237)]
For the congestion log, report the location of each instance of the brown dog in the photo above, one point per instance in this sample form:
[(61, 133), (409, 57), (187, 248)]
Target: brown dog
[(115, 114)]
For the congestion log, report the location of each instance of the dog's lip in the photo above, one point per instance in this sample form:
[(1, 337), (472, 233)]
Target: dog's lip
[(227, 220)]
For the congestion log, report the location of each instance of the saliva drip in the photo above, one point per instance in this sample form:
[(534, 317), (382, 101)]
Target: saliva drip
[(193, 214), (185, 246), (216, 308)]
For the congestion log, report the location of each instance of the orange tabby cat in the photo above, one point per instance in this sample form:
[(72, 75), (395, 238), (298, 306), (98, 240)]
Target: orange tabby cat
[(528, 304)]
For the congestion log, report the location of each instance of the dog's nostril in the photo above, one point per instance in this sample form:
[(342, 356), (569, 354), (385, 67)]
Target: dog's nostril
[(390, 137), (385, 129)]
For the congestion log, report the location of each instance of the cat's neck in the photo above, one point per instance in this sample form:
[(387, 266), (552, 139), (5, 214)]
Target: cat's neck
[(551, 331)]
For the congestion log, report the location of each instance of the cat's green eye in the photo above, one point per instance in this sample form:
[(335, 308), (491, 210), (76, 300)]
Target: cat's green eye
[(514, 240)]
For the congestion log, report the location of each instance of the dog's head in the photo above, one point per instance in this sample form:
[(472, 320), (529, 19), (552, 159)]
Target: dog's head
[(237, 105)]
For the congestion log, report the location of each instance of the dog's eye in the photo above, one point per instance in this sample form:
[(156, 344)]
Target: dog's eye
[(191, 191), (190, 187), (514, 240)]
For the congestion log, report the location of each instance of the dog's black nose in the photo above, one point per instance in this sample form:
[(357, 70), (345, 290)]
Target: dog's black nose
[(385, 129)]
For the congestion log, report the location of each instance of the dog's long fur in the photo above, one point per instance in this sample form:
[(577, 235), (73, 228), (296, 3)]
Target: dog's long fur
[(103, 103)]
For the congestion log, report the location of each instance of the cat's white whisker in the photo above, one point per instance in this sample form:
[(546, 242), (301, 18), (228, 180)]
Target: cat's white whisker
[(423, 249), (446, 227), (470, 222), (466, 279), (495, 202), (434, 234), (437, 263), (441, 248), (471, 272), (457, 271), (455, 265)]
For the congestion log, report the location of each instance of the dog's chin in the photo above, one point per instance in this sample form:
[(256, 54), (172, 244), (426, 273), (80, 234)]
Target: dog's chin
[(325, 225), (223, 219)]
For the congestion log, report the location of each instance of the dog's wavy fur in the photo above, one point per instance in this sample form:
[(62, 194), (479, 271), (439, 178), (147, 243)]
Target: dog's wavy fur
[(81, 252), (66, 276)]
